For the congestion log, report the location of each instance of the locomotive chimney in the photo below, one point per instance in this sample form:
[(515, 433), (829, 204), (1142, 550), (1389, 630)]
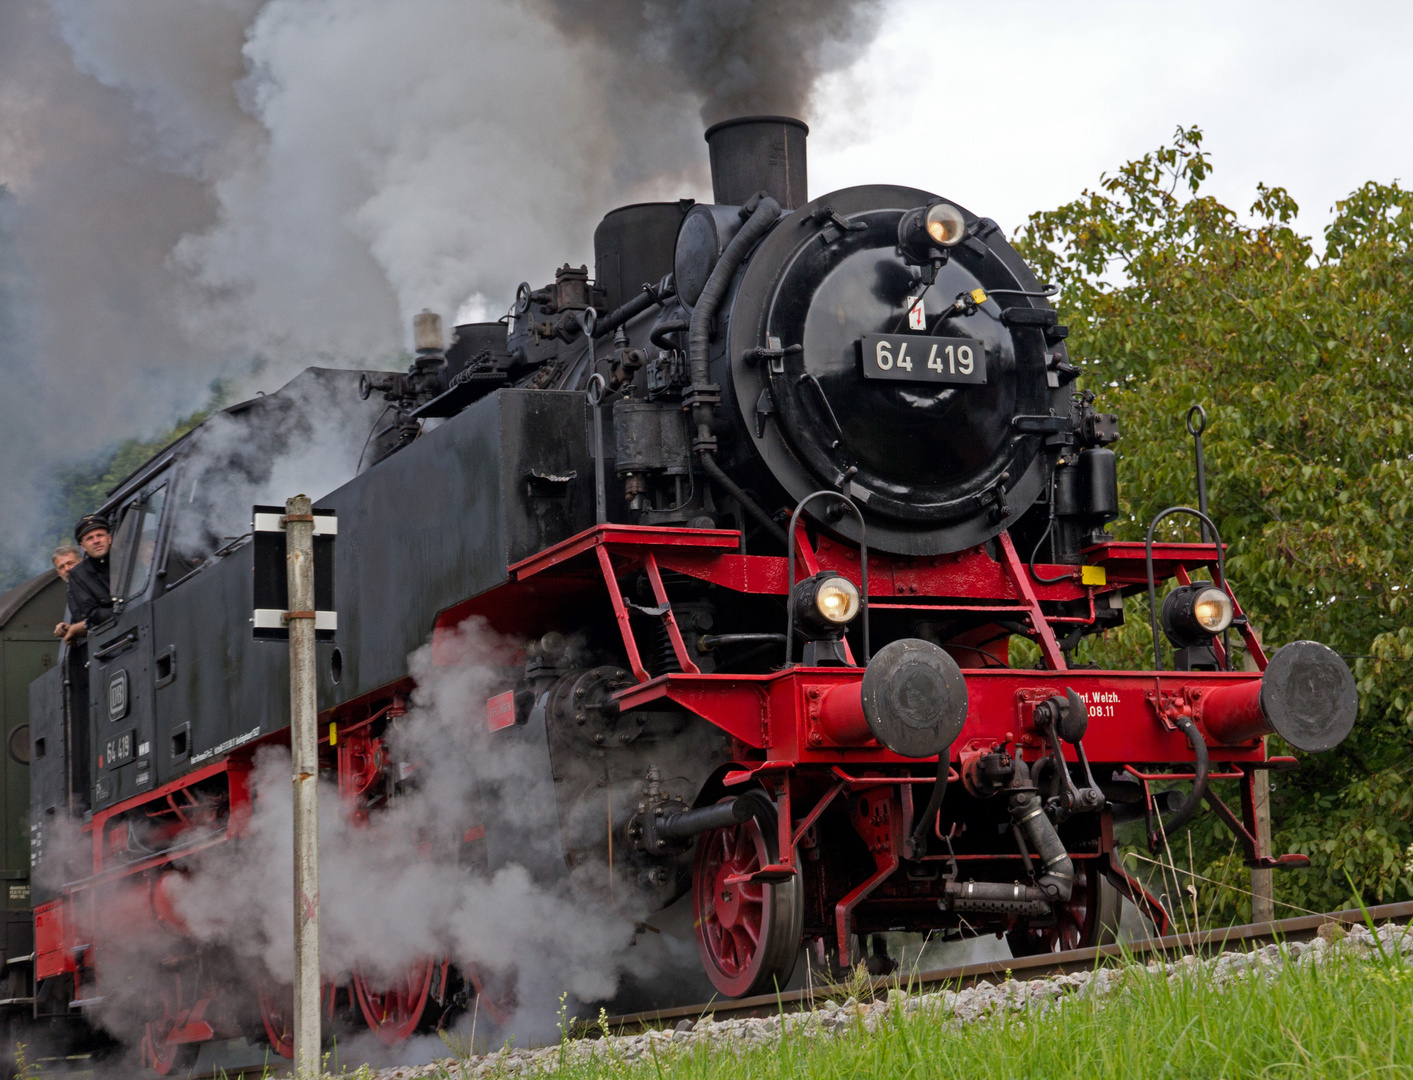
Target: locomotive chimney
[(758, 153)]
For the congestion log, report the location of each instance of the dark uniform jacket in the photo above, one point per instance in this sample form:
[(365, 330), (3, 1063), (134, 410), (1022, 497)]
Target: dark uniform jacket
[(90, 597)]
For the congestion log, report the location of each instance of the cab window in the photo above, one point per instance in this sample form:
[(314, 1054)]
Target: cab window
[(145, 533), (135, 544)]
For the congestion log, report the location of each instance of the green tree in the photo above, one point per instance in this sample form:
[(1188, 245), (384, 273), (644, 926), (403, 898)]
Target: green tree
[(83, 488), (1302, 360)]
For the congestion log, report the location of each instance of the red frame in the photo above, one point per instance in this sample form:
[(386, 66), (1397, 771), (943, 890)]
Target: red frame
[(774, 718)]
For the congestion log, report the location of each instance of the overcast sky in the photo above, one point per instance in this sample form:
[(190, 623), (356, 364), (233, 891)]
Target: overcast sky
[(1015, 107)]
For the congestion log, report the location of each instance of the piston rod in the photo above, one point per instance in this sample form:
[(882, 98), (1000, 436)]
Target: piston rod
[(720, 815)]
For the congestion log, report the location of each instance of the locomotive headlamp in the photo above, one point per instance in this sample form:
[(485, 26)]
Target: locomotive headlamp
[(1192, 615), (1212, 610), (837, 600), (945, 224), (823, 607), (825, 604), (927, 233)]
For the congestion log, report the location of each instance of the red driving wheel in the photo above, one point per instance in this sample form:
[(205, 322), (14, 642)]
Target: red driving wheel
[(161, 1056), (495, 993), (748, 933), (277, 1014), (394, 1011)]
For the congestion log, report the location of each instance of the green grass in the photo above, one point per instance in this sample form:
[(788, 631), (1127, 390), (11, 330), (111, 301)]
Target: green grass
[(1343, 1018)]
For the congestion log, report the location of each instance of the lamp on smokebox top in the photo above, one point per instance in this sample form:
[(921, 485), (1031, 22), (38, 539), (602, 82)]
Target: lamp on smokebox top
[(927, 233), (1192, 615), (825, 605)]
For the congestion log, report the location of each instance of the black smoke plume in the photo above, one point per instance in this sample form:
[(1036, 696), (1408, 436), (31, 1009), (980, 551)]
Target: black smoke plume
[(239, 188)]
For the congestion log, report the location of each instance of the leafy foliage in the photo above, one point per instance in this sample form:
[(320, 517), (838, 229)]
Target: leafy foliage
[(1302, 361), (82, 488)]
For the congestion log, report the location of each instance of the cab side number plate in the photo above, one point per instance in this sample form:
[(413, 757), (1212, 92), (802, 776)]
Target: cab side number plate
[(118, 750), (914, 358)]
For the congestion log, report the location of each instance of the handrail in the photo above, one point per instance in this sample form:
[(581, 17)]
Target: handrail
[(1152, 586), (790, 587)]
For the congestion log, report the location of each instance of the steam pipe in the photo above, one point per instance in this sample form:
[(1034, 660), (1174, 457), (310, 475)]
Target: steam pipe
[(708, 642), (747, 503), (630, 309), (1056, 869), (763, 215), (1056, 881), (997, 897)]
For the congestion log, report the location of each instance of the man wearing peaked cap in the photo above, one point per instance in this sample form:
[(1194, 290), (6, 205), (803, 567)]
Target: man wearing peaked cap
[(90, 596)]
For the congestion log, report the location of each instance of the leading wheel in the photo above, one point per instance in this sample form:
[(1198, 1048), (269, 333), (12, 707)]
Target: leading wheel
[(1089, 917), (748, 933), (393, 1011)]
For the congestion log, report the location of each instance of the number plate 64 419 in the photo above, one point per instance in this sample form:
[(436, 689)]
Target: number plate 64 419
[(914, 358)]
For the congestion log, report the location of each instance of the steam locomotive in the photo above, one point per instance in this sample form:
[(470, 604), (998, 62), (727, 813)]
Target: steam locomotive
[(766, 503)]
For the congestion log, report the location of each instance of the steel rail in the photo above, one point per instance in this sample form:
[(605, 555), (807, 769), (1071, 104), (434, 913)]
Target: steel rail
[(1022, 969)]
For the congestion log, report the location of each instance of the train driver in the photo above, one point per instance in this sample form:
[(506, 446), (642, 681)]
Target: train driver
[(90, 598)]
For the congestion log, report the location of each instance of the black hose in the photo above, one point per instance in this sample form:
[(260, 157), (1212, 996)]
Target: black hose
[(747, 503), (1194, 797), (762, 216), (660, 332), (934, 804)]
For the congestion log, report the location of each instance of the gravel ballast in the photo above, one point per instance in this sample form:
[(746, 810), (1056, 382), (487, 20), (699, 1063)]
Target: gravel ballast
[(955, 1007)]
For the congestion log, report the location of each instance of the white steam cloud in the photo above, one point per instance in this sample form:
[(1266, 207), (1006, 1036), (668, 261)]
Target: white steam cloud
[(391, 890), (394, 890)]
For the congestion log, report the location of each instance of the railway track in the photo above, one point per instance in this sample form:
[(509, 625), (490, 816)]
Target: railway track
[(1206, 942)]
